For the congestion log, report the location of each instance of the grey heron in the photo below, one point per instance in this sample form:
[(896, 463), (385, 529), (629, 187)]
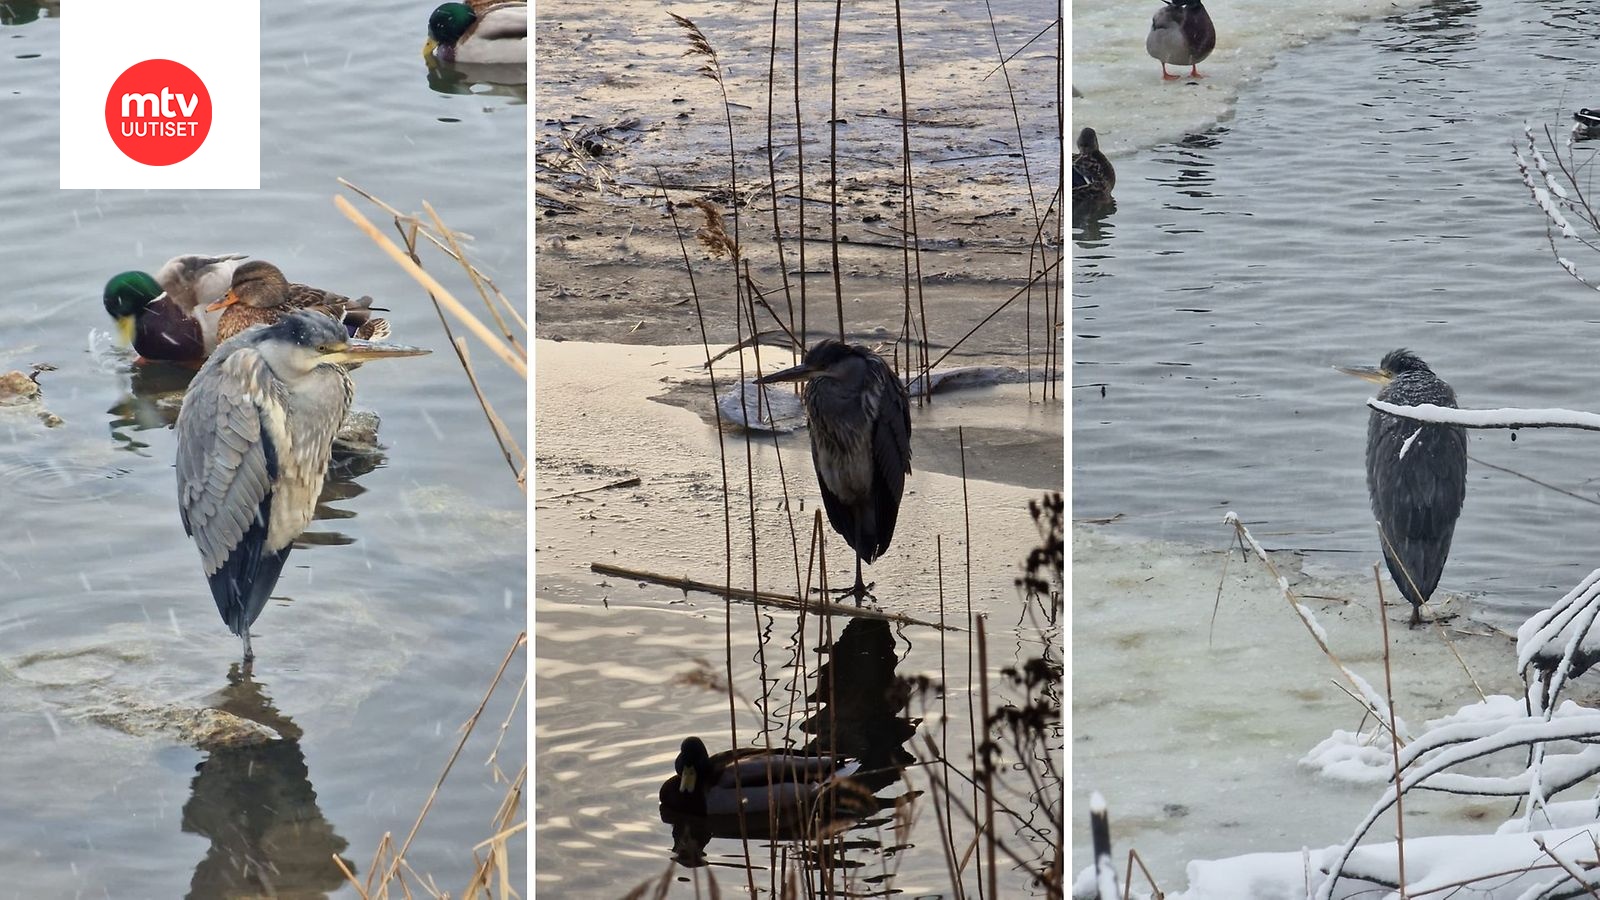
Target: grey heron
[(254, 437), (1416, 475), (163, 316), (860, 422), (260, 294)]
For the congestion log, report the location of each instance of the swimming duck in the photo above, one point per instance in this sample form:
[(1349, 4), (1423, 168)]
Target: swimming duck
[(479, 32), (767, 782), (1588, 124), (260, 294), (1181, 34), (161, 316), (1092, 175)]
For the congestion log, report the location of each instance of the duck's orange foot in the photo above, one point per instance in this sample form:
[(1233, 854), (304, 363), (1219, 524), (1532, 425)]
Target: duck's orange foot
[(1194, 72)]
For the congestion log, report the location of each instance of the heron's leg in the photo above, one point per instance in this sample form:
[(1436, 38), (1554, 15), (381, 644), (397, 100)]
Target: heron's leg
[(860, 589), (249, 655)]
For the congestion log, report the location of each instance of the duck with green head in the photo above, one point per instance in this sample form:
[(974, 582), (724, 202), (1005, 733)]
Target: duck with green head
[(260, 294), (479, 32), (162, 316)]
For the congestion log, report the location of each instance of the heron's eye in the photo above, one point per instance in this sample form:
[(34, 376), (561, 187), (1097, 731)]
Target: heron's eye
[(332, 347)]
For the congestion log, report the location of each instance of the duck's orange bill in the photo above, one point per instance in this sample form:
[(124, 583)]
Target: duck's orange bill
[(228, 299)]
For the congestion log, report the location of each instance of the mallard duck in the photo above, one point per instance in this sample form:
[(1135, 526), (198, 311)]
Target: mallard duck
[(1588, 124), (1092, 174), (479, 32), (162, 316), (766, 782), (260, 294), (1181, 34)]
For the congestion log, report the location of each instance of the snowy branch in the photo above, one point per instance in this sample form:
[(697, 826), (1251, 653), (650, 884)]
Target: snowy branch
[(1507, 417)]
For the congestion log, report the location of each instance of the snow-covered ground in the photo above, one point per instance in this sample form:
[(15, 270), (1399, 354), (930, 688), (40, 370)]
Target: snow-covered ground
[(1235, 760)]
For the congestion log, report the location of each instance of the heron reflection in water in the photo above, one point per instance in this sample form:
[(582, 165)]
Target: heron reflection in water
[(253, 800), (254, 438), (860, 422), (1416, 475)]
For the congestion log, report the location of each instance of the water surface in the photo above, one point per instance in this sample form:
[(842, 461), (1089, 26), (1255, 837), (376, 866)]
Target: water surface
[(1336, 217), (389, 623)]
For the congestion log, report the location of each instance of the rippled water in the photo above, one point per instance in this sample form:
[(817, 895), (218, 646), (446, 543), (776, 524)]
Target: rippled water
[(618, 657), (1362, 198), (411, 586)]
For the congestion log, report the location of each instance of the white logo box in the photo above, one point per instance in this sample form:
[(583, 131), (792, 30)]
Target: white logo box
[(219, 39)]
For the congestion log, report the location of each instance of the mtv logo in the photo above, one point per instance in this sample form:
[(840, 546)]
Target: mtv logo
[(144, 105)]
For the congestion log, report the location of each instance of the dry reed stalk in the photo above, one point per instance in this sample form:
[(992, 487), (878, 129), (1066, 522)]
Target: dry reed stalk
[(447, 248), (396, 859), (410, 227), (1394, 742), (1583, 880), (1383, 536), (1127, 882), (428, 282), (477, 281), (1373, 703), (508, 442)]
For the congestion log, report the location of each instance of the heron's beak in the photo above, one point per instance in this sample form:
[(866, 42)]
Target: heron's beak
[(356, 351), (793, 373), (125, 329), (1368, 373), (688, 780), (228, 299)]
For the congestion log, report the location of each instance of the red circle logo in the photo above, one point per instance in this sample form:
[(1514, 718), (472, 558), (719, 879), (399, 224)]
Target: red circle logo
[(158, 112)]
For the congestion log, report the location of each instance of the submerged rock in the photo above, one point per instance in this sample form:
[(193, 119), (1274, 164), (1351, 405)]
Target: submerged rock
[(358, 433), (201, 727), (17, 389)]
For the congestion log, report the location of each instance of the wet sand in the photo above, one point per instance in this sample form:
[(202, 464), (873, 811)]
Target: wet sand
[(620, 104)]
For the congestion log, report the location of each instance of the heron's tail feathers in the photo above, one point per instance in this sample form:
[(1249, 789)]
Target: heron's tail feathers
[(244, 581)]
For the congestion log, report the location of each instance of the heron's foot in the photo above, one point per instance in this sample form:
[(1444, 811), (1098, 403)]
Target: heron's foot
[(858, 591), (1438, 618)]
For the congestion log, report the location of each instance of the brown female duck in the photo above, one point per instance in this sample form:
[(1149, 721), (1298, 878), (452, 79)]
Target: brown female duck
[(261, 295)]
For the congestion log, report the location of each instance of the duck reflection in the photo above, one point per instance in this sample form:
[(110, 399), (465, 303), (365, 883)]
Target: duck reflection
[(255, 803), (828, 787), (494, 79), (21, 12), (1092, 227)]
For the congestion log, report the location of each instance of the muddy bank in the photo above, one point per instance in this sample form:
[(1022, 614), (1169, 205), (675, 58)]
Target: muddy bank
[(624, 112)]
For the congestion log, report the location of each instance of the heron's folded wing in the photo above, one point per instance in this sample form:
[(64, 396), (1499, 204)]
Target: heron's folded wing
[(891, 461), (226, 460)]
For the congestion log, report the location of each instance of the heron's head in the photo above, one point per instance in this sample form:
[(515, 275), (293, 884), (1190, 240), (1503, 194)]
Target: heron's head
[(691, 764), (450, 21), (1395, 364), (126, 296), (825, 359), (1088, 141), (299, 342), (258, 284)]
